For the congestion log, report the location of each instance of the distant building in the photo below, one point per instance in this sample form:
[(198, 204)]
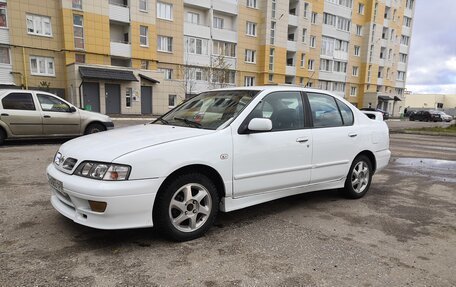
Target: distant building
[(446, 103), (145, 56)]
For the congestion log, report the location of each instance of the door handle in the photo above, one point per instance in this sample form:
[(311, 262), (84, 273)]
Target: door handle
[(4, 115), (352, 135), (46, 116), (302, 140)]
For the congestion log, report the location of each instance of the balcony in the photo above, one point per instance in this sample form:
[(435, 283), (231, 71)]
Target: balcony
[(226, 6), (224, 35), (292, 20), (119, 13), (121, 49), (195, 30), (290, 70), (4, 36), (196, 60), (230, 62), (199, 3), (292, 46)]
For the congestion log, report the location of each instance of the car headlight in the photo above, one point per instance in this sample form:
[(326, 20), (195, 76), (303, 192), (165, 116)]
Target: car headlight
[(103, 171)]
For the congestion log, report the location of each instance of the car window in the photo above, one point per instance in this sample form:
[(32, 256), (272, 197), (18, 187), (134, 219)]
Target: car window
[(52, 104), (284, 109), (325, 112), (18, 101), (209, 110), (346, 112)]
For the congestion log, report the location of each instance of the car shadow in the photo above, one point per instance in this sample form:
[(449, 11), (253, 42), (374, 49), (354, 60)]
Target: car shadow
[(86, 238), (26, 142)]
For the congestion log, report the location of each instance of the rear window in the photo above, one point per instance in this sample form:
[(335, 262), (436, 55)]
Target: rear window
[(18, 101)]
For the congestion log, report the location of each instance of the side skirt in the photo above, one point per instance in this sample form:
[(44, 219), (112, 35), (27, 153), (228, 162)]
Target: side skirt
[(229, 204)]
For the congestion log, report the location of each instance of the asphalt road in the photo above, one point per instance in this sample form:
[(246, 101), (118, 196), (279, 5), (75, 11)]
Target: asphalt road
[(402, 233)]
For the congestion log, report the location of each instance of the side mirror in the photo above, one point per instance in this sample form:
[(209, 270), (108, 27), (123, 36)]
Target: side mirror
[(260, 125), (72, 109)]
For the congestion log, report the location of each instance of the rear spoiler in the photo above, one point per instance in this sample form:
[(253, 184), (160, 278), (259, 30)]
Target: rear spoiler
[(373, 115)]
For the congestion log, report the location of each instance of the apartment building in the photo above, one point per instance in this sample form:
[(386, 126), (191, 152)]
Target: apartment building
[(145, 56)]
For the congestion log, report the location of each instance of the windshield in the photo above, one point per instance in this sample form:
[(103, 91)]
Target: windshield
[(209, 110)]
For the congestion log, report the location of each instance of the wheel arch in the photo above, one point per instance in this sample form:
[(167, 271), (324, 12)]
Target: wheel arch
[(370, 155), (210, 172), (3, 130), (91, 123)]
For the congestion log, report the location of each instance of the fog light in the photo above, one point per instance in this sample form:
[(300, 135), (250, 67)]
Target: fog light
[(97, 206)]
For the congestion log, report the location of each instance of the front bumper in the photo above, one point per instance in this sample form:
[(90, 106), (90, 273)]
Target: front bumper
[(108, 125), (129, 203)]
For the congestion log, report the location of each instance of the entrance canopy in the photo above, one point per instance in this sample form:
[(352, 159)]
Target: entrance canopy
[(106, 74)]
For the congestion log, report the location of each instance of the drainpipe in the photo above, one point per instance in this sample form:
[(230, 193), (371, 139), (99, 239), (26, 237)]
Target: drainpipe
[(25, 70), (80, 94)]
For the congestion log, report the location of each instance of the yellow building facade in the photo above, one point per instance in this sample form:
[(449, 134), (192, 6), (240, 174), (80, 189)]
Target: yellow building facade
[(145, 56)]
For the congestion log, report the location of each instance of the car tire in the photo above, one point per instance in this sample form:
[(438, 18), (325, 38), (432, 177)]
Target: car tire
[(359, 178), (94, 128), (186, 207), (2, 136)]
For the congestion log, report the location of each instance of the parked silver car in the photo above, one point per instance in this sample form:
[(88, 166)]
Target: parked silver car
[(37, 114)]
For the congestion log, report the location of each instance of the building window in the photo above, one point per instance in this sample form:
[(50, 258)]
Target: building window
[(359, 30), (303, 59), (310, 65), (164, 11), (252, 3), (3, 16), (313, 19), (195, 45), (304, 35), (39, 25), (193, 18), (273, 26), (405, 40), (42, 66), (224, 48), (168, 73), (128, 96), (80, 58), (77, 4), (218, 22), (329, 19), (355, 71), (340, 67), (249, 81), (165, 44), (361, 8), (5, 56), (312, 41), (271, 59), (250, 56), (251, 29), (400, 76), (271, 78), (409, 4), (78, 29), (143, 5), (144, 64), (306, 10), (326, 65), (144, 36), (172, 99), (273, 9), (357, 51), (353, 91), (403, 58)]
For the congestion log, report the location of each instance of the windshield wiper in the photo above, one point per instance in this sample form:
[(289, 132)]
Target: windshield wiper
[(163, 121), (188, 122)]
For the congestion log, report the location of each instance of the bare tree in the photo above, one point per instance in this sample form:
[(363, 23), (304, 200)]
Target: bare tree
[(219, 72)]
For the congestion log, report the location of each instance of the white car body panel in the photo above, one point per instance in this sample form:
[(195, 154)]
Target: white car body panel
[(254, 168)]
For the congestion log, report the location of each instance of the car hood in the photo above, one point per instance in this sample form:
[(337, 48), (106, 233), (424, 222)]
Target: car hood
[(109, 145), (94, 116)]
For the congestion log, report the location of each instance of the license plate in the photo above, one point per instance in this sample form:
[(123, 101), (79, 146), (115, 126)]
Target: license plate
[(56, 184)]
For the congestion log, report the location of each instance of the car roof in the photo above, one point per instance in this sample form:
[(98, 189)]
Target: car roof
[(6, 91)]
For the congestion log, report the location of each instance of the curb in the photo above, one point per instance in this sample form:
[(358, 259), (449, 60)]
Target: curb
[(422, 133)]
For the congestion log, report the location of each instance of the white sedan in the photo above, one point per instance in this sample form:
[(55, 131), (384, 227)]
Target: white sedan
[(219, 151)]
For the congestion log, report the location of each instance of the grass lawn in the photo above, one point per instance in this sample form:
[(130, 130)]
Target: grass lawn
[(448, 130)]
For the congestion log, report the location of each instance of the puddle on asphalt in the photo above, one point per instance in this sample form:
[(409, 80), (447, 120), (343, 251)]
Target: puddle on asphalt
[(436, 169)]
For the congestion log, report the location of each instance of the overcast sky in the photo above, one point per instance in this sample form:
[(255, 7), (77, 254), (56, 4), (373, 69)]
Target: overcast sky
[(432, 59)]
